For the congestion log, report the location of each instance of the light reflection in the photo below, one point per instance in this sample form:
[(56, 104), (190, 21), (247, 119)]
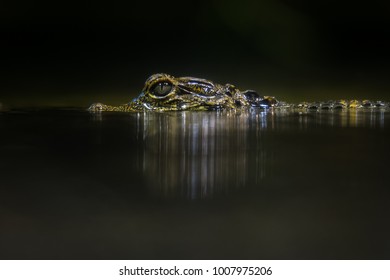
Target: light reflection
[(199, 154), (370, 118), (196, 154)]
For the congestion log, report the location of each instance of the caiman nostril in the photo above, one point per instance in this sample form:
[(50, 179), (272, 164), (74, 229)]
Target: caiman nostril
[(163, 92)]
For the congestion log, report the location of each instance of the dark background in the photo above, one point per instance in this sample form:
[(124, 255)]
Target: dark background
[(60, 53), (75, 185)]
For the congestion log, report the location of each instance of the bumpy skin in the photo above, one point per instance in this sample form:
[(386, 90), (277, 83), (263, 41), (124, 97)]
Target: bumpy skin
[(163, 92)]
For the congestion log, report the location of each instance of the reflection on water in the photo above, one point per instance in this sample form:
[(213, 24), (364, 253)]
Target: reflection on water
[(195, 154), (198, 154), (244, 185), (353, 118)]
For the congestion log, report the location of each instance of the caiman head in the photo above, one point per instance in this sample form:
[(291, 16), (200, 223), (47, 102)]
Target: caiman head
[(163, 92)]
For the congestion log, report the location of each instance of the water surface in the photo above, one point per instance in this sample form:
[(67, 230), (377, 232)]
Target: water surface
[(194, 185)]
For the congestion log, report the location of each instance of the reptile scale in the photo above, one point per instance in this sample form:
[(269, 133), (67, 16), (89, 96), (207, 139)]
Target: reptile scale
[(163, 92)]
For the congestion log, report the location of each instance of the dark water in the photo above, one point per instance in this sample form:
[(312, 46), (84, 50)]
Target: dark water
[(194, 185)]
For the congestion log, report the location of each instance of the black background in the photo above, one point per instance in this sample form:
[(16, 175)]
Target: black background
[(66, 53), (76, 185)]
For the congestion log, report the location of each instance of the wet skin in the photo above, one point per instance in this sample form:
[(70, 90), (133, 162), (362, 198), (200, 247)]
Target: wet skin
[(163, 92)]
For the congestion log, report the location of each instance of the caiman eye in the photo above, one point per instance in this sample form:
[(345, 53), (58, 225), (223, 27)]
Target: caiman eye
[(161, 88)]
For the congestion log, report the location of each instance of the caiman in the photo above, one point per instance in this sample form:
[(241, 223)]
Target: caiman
[(163, 92)]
